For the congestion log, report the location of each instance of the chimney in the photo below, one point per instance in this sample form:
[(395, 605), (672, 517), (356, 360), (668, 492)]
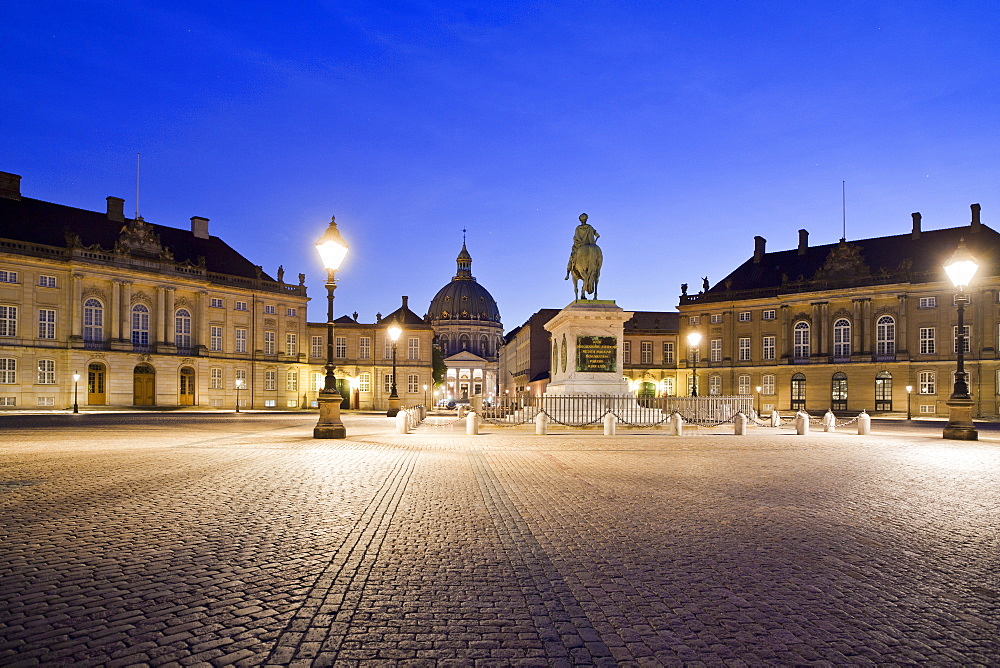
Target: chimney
[(916, 225), (976, 225), (10, 185), (758, 248), (199, 227), (405, 302), (803, 241), (116, 209)]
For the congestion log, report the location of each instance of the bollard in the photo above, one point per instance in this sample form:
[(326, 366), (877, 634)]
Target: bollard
[(740, 424), (472, 424), (864, 424), (676, 425), (541, 424), (829, 421), (775, 419), (461, 411), (610, 424), (402, 423), (802, 423)]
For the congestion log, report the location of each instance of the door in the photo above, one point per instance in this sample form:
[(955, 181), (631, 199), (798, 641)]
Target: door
[(838, 392), (344, 388), (798, 392), (96, 381), (143, 386), (883, 391), (186, 394)]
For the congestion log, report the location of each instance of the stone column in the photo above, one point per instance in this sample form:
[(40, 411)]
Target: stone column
[(76, 308), (126, 323), (201, 327), (817, 329), (866, 326), (168, 316), (856, 328), (902, 330), (825, 320), (116, 310), (786, 341), (160, 318)]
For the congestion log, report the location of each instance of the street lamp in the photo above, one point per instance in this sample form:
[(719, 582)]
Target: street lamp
[(909, 415), (76, 381), (759, 388), (239, 386), (425, 395), (332, 250), (694, 338), (394, 331), (961, 268)]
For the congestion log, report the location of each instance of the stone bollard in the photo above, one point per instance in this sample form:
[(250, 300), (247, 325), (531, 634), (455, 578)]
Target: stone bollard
[(472, 424), (461, 411), (541, 424), (610, 424), (864, 424), (402, 423), (775, 419), (676, 425), (829, 421), (802, 423), (740, 424)]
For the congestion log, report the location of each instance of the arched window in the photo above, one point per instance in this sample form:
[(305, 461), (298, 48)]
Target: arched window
[(140, 325), (800, 340), (838, 392), (883, 391), (842, 338), (182, 328), (885, 335), (443, 344), (463, 342), (93, 320), (799, 391)]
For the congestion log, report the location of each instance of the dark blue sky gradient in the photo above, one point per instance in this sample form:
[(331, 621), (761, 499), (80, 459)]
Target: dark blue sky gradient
[(682, 129)]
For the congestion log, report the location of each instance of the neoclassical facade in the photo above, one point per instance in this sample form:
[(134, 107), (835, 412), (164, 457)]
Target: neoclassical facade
[(850, 325), (147, 315)]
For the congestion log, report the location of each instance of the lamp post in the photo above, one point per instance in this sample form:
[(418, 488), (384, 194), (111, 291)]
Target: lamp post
[(394, 331), (425, 395), (694, 338), (961, 268), (759, 388), (239, 386), (76, 382), (909, 389), (332, 250)]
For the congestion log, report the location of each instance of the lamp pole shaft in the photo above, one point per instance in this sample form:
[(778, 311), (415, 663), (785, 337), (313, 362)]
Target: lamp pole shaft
[(330, 382), (76, 406), (393, 393), (961, 390)]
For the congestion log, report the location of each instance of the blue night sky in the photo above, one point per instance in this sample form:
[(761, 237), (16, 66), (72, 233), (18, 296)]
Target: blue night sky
[(682, 129)]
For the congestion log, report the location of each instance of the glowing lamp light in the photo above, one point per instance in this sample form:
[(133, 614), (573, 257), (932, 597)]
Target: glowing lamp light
[(332, 247), (962, 267), (394, 330), (694, 338), (76, 378)]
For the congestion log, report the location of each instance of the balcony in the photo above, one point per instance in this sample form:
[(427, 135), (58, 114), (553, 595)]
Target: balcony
[(93, 344), (884, 357)]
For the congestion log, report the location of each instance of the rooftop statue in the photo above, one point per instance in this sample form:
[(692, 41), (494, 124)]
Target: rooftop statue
[(585, 260)]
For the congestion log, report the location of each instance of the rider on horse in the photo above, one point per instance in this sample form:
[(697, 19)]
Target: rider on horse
[(585, 234)]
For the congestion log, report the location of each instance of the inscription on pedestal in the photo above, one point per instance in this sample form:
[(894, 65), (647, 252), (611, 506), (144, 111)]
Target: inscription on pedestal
[(596, 353)]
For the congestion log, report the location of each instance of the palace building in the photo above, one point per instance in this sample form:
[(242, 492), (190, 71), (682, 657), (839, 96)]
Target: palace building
[(851, 325), (147, 315)]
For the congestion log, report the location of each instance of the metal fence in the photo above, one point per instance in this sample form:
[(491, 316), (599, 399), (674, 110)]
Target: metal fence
[(585, 410)]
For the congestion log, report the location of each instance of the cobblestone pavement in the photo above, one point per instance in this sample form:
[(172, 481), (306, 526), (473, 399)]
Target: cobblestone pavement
[(240, 540)]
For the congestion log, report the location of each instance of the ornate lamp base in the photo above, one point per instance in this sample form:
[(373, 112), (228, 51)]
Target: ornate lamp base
[(960, 427), (393, 407), (330, 424)]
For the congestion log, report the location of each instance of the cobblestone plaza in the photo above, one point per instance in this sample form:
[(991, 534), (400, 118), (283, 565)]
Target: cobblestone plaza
[(131, 539)]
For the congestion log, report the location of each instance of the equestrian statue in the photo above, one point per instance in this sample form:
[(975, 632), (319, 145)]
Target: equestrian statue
[(585, 260)]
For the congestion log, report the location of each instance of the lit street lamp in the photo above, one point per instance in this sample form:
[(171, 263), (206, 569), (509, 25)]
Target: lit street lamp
[(759, 388), (694, 338), (425, 395), (332, 249), (76, 382), (239, 386), (909, 389), (961, 268), (394, 331)]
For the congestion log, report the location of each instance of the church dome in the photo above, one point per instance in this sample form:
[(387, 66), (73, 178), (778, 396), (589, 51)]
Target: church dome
[(463, 298)]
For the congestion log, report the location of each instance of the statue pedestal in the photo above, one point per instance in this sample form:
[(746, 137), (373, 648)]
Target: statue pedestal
[(586, 349)]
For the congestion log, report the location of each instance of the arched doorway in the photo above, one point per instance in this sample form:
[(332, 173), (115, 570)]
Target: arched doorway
[(883, 391), (144, 385), (645, 390), (838, 392), (798, 392), (185, 395), (96, 383)]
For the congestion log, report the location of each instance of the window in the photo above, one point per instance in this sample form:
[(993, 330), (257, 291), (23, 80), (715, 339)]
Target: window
[(767, 347), (800, 345), (694, 320), (967, 335), (240, 306), (744, 316), (413, 383), (270, 379), (767, 384), (8, 277), (365, 348), (928, 302), (215, 338), (339, 346), (46, 372), (883, 391), (241, 340), (715, 384), (716, 318), (646, 352), (8, 401), (215, 378), (885, 336), (744, 348), (928, 382), (241, 378), (743, 384), (292, 312), (413, 348), (927, 346), (93, 320), (798, 392), (140, 325), (292, 403), (318, 380), (927, 408), (215, 302), (46, 323), (668, 387), (182, 328), (8, 370), (767, 315), (291, 344), (270, 403), (387, 383), (46, 281), (715, 350), (268, 343), (966, 299), (365, 382), (316, 347), (269, 310), (838, 391), (626, 352), (46, 401), (668, 352), (387, 348), (292, 381), (842, 338)]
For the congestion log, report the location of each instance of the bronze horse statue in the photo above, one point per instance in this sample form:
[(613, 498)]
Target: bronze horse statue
[(585, 260)]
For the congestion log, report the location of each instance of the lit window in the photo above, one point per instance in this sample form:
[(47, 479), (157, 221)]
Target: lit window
[(668, 387), (801, 346), (967, 335), (182, 328), (743, 384), (46, 372), (270, 403), (365, 382), (270, 379), (387, 383), (292, 382), (927, 408), (46, 323), (693, 320), (767, 384), (46, 401), (928, 382), (842, 338), (8, 370), (885, 336), (93, 321), (140, 325), (215, 379), (715, 384)]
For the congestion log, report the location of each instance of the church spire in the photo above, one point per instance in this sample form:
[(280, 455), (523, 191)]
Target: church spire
[(464, 263)]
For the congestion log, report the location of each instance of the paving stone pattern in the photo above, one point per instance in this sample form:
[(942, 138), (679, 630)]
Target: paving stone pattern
[(240, 540)]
